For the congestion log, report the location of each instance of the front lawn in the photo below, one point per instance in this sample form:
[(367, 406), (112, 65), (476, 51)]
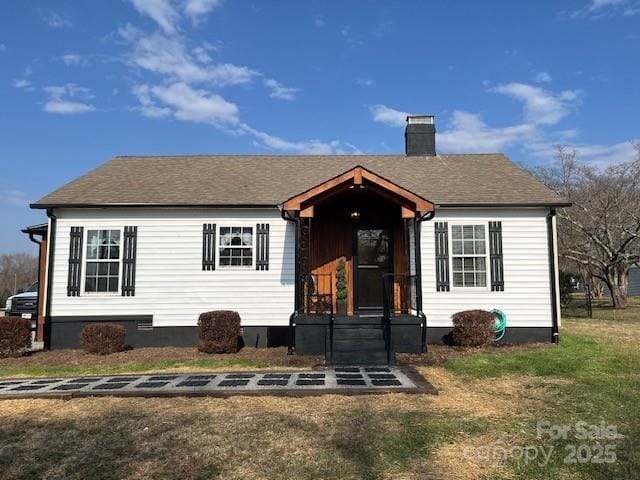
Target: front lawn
[(68, 363), (484, 418)]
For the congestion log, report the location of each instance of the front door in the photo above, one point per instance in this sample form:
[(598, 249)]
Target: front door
[(373, 260)]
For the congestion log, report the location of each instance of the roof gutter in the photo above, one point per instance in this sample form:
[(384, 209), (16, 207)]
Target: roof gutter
[(504, 205), (48, 206)]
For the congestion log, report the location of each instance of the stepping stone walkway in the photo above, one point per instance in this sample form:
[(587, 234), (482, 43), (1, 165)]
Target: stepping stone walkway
[(332, 380)]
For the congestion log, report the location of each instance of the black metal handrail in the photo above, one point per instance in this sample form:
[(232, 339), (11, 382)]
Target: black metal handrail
[(400, 297)]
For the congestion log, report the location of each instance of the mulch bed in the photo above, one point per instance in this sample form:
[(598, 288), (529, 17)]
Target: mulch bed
[(439, 354), (276, 357)]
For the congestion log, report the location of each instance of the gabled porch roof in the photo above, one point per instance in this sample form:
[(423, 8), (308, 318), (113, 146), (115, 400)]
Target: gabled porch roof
[(412, 205)]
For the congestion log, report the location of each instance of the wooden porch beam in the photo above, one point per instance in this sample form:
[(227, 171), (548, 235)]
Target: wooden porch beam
[(307, 212), (407, 212), (356, 176)]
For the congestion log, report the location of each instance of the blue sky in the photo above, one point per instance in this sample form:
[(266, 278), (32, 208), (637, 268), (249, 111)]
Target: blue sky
[(81, 82)]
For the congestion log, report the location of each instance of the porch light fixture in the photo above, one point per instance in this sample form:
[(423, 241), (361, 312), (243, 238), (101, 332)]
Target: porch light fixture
[(355, 215)]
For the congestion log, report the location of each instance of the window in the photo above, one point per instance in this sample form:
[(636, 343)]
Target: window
[(469, 256), (236, 246), (103, 261)]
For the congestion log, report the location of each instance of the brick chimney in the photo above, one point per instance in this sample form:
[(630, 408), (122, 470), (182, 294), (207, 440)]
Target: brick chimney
[(420, 136)]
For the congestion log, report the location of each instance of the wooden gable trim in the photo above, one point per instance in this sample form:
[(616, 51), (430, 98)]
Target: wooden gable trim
[(356, 176)]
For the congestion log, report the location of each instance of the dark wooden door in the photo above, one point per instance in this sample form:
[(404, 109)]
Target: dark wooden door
[(373, 260)]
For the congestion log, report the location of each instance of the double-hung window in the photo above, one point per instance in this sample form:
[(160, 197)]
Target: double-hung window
[(235, 246), (102, 261), (469, 255)]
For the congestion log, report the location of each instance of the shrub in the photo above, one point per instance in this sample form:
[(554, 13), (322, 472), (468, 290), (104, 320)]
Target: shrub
[(473, 328), (15, 336), (103, 338), (219, 332), (341, 280)]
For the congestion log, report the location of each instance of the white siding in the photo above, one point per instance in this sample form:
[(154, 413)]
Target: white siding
[(526, 298), (170, 283)]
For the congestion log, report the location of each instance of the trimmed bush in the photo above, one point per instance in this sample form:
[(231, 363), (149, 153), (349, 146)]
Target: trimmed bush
[(103, 338), (219, 332), (473, 328), (15, 336)]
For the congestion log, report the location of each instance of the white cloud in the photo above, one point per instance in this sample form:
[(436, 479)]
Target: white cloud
[(55, 20), (307, 147), (633, 36), (187, 104), (367, 82), (318, 21), (200, 106), (388, 115), (169, 56), (195, 9), (148, 107), (542, 77), (278, 90), (467, 132), (541, 107), (15, 198), (3, 47), (71, 59), (24, 82), (600, 8), (21, 83), (66, 99), (161, 11)]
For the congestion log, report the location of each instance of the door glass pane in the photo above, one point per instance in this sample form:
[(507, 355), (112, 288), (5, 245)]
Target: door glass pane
[(373, 247)]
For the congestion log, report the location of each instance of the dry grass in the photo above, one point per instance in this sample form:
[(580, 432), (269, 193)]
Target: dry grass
[(330, 436), (623, 333), (64, 363), (393, 436)]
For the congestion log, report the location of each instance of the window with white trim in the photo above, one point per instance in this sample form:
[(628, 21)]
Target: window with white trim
[(102, 261), (468, 256), (235, 247)]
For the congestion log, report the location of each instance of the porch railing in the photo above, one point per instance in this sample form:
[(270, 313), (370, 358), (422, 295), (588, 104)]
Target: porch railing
[(400, 297)]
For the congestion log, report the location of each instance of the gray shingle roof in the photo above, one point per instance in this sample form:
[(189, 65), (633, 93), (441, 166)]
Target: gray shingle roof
[(270, 180)]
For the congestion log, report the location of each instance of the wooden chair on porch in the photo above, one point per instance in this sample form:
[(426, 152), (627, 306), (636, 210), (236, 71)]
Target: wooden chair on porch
[(317, 302)]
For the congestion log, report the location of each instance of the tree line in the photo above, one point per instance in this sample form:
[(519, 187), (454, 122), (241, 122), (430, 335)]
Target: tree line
[(599, 235), (17, 271)]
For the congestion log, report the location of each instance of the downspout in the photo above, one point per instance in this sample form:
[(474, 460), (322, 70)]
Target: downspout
[(555, 337), (51, 246), (416, 235), (39, 243), (296, 286)]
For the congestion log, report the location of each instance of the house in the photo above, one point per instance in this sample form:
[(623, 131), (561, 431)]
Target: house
[(152, 242)]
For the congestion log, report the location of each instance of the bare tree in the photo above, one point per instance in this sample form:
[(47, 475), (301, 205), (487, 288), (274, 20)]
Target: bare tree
[(17, 270), (601, 231)]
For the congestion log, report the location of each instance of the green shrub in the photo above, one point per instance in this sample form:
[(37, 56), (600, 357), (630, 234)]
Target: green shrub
[(473, 328), (103, 338), (15, 336), (219, 332), (341, 281)]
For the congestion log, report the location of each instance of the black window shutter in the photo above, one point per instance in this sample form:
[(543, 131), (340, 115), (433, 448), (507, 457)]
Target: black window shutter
[(442, 257), (75, 262), (209, 246), (129, 261), (495, 256), (262, 246)]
